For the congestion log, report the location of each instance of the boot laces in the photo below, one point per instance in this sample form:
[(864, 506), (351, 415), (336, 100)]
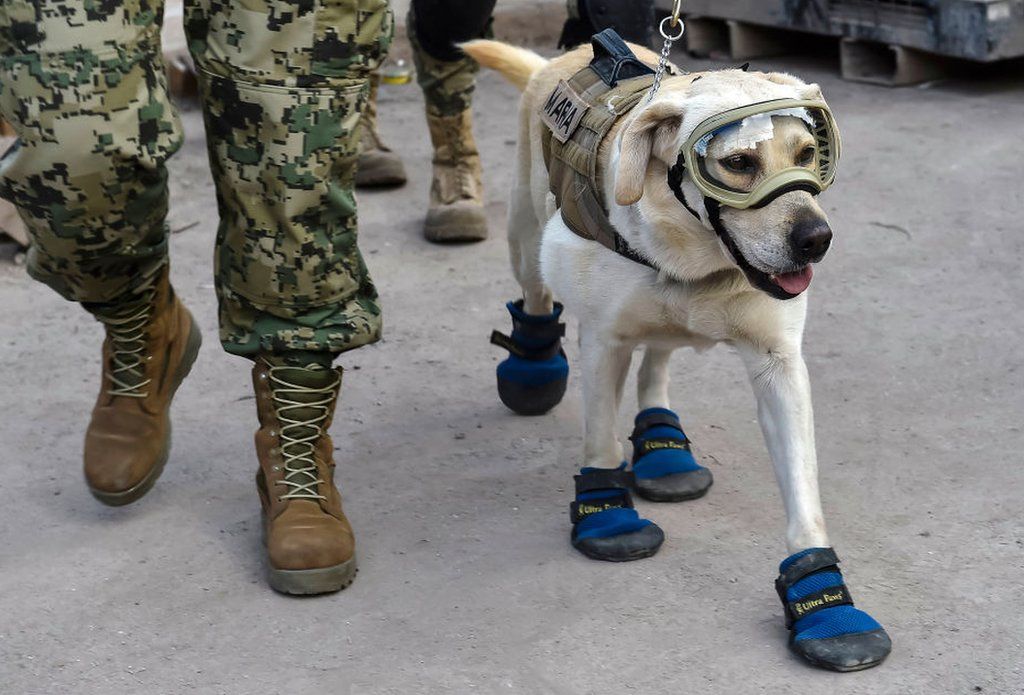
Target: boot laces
[(301, 426), (126, 329)]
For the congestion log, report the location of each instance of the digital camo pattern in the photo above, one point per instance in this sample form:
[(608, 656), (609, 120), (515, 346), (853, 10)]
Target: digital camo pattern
[(83, 84), (281, 127), (447, 85), (297, 43), (283, 84)]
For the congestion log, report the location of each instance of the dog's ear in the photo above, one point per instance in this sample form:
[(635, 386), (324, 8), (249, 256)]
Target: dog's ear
[(807, 91), (654, 131), (811, 91)]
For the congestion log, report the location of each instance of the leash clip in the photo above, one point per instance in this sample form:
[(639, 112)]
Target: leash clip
[(676, 23)]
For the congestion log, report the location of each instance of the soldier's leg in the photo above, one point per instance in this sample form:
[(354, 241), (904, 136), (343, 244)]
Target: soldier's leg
[(283, 86), (378, 166), (84, 87), (632, 19), (447, 77)]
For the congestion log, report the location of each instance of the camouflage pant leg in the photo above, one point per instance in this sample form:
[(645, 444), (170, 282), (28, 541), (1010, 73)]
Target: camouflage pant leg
[(447, 84), (83, 85), (283, 85)]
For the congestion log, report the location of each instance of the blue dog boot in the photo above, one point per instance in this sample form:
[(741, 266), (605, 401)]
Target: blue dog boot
[(824, 626), (604, 524), (532, 380), (663, 464)]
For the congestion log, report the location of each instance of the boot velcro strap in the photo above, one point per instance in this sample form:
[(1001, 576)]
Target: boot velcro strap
[(603, 479), (659, 444), (539, 332), (534, 354), (654, 420), (812, 603), (581, 509), (813, 562)]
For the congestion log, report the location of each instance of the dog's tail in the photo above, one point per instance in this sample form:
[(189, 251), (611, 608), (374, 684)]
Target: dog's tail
[(515, 64)]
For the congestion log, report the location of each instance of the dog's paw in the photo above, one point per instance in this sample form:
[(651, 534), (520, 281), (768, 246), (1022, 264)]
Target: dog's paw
[(604, 524), (532, 380), (664, 467), (826, 628)]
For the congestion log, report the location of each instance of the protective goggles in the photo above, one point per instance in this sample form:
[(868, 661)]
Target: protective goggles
[(728, 163)]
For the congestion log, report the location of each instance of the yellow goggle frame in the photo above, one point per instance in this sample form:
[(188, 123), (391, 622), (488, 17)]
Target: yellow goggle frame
[(827, 146)]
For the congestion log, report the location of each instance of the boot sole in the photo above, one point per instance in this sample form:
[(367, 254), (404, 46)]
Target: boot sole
[(322, 580), (123, 497), (379, 175), (447, 226)]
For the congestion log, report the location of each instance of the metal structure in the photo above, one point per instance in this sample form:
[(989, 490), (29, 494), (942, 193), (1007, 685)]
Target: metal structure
[(891, 42), (981, 30), (977, 30)]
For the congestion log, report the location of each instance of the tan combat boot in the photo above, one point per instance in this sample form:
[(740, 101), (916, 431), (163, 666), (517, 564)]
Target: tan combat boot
[(309, 541), (377, 166), (456, 211), (149, 349)]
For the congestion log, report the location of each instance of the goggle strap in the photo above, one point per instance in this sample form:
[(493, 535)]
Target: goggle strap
[(675, 181), (796, 186)]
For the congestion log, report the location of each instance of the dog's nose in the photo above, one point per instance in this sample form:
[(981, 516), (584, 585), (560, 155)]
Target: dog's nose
[(810, 240)]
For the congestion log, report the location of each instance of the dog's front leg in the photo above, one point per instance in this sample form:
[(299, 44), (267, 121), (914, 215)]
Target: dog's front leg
[(605, 524), (783, 392), (826, 628), (652, 379), (605, 364)]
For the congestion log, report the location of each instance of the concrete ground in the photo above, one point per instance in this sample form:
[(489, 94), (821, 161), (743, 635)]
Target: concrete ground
[(468, 583)]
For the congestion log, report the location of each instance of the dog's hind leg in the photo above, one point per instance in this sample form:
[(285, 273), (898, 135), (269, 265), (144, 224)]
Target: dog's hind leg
[(527, 212), (664, 467), (826, 628), (524, 238), (533, 379)]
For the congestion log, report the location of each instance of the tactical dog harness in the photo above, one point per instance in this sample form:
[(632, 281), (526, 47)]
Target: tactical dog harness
[(579, 114)]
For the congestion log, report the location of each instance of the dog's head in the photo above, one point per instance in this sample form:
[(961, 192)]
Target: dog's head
[(772, 233)]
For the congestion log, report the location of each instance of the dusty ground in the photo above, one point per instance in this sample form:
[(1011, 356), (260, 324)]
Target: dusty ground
[(468, 583)]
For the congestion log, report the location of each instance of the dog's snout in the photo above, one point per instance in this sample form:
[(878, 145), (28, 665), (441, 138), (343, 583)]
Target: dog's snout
[(810, 239)]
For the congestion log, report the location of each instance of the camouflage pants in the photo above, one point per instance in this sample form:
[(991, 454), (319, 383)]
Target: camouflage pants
[(283, 84), (447, 77)]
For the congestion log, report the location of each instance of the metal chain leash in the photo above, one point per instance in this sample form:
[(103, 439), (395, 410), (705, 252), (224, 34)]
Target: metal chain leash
[(675, 24)]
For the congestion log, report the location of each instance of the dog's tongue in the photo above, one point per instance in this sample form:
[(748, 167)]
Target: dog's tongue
[(795, 282)]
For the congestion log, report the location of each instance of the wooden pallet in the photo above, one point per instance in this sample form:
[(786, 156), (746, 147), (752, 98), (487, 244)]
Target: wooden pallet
[(861, 61)]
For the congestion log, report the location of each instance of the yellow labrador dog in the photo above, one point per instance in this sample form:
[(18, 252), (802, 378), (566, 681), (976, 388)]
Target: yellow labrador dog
[(711, 272)]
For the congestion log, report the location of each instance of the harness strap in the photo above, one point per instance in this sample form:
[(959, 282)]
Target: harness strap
[(675, 181), (613, 60)]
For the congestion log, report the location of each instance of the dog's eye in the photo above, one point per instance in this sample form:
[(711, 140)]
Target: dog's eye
[(739, 163), (806, 156)]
